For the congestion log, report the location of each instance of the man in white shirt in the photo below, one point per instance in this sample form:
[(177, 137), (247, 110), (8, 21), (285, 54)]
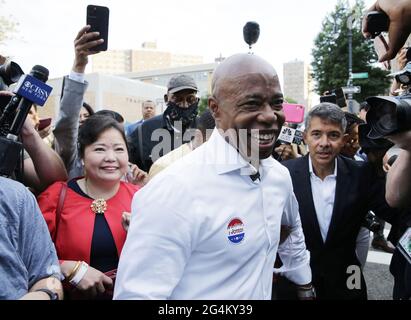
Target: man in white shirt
[(208, 227), (334, 194)]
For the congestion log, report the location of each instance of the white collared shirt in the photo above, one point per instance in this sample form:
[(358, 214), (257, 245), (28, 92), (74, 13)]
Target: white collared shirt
[(201, 230), (323, 192)]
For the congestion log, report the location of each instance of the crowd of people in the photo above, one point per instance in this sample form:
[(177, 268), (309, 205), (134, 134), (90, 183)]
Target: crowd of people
[(188, 205)]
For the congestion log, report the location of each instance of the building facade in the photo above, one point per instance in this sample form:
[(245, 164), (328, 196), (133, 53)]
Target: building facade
[(119, 94), (145, 59), (298, 84)]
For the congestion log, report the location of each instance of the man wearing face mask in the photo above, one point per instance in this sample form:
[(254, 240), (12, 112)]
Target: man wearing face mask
[(164, 133)]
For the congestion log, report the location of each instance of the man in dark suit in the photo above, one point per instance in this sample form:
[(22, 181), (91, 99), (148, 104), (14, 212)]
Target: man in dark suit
[(334, 194), (158, 136)]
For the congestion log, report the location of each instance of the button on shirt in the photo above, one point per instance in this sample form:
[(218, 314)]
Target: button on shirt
[(323, 192), (202, 229)]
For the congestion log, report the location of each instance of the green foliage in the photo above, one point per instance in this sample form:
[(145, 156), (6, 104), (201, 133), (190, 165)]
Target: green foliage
[(203, 105), (330, 54), (290, 100), (7, 27)]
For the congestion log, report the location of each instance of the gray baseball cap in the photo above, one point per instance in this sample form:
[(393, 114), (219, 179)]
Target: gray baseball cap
[(181, 82)]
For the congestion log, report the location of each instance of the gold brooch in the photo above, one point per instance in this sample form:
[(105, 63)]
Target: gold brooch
[(99, 206)]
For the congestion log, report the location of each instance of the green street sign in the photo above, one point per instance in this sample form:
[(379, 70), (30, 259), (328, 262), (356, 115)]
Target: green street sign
[(362, 75)]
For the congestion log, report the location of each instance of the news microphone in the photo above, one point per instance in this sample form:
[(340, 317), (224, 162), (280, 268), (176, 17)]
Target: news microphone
[(31, 89), (251, 33), (290, 135)]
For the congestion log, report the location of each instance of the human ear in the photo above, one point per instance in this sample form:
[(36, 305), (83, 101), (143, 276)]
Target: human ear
[(214, 108)]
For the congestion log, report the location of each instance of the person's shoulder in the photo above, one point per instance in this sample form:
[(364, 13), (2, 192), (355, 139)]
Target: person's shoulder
[(152, 123), (129, 187), (55, 187), (15, 200), (145, 126), (354, 164), (10, 188), (294, 163)]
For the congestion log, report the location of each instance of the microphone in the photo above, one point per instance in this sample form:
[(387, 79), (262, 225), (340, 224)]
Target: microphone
[(255, 177), (251, 33), (31, 89)]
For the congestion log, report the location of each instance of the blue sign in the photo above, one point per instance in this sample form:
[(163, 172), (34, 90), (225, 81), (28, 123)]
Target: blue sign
[(33, 89)]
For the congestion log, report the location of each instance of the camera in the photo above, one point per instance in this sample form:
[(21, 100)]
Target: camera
[(335, 96), (30, 89), (391, 115), (10, 73), (371, 222)]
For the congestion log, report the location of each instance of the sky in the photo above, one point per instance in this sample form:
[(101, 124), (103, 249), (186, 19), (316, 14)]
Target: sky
[(47, 28)]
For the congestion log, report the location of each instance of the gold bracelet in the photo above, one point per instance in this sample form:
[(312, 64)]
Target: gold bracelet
[(73, 272)]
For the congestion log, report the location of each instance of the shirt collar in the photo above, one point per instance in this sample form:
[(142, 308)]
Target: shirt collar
[(227, 159), (311, 169)]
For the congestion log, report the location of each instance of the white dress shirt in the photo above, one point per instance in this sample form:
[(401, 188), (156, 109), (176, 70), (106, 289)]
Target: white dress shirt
[(202, 230), (323, 192)]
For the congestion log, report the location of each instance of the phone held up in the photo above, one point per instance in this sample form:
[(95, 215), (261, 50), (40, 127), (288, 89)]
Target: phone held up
[(381, 48), (98, 19), (378, 22), (294, 113)]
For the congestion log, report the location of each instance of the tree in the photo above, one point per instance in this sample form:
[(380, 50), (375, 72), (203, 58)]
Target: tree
[(330, 54), (7, 27), (203, 104), (290, 100)]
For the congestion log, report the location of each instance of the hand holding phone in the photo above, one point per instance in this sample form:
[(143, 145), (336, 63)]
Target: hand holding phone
[(98, 19), (381, 48), (377, 22)]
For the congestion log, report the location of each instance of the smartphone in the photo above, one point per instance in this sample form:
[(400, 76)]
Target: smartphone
[(340, 98), (294, 113), (381, 48), (44, 123), (377, 22), (98, 19)]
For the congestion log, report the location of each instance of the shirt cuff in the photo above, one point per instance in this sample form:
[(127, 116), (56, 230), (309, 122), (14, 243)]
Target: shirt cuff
[(75, 76), (300, 276)]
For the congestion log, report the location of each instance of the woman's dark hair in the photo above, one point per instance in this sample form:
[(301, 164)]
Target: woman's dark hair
[(351, 120), (109, 113), (88, 108), (93, 127)]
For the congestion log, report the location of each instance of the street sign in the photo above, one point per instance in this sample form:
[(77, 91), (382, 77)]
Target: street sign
[(361, 75), (352, 90)]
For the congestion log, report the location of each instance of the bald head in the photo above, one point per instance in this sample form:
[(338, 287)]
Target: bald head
[(237, 66)]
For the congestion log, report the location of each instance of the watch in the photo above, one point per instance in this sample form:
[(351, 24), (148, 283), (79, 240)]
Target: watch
[(306, 293), (51, 294)]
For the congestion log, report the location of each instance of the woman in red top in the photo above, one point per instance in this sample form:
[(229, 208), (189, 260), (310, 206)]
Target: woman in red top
[(87, 225)]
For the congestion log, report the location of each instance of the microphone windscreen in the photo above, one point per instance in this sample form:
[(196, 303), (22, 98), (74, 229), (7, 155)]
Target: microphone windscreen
[(40, 72), (251, 32)]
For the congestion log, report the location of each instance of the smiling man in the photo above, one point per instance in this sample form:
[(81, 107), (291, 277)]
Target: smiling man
[(334, 194), (208, 227)]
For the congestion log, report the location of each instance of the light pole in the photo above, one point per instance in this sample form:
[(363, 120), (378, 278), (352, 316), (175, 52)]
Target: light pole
[(350, 95)]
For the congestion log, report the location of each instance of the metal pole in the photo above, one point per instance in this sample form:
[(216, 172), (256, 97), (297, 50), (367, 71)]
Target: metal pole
[(350, 82)]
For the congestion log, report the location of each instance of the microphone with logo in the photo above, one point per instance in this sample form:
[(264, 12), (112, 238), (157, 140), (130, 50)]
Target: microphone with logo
[(30, 89)]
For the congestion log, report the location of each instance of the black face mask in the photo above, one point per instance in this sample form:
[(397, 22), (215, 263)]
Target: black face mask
[(174, 113)]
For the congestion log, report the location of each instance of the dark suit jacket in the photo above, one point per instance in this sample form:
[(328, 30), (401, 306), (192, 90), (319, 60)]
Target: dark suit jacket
[(141, 142), (357, 191)]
